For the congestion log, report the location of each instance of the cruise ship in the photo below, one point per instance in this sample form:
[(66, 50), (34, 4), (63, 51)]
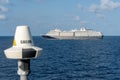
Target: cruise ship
[(82, 33)]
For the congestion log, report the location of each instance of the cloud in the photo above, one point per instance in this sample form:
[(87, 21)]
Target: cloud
[(3, 9), (2, 17), (102, 16), (94, 8), (72, 17), (4, 1), (77, 18), (100, 8), (109, 4), (81, 7), (104, 5)]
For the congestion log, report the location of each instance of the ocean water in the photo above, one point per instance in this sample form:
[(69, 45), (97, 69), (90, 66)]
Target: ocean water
[(67, 60)]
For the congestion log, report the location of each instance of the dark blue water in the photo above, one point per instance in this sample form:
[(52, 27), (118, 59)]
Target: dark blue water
[(67, 60)]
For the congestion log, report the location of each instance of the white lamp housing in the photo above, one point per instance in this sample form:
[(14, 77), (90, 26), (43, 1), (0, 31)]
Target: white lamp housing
[(23, 46)]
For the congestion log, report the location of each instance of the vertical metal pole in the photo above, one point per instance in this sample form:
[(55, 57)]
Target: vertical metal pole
[(22, 77), (23, 69)]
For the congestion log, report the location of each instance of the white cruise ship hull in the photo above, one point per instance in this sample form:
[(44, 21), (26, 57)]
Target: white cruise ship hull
[(72, 37)]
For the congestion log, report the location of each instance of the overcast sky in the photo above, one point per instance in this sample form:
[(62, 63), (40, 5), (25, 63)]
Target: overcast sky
[(44, 15)]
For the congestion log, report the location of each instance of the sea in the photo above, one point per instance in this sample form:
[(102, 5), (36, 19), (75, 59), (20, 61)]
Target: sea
[(90, 59)]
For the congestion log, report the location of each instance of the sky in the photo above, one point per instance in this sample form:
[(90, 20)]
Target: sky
[(44, 15)]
